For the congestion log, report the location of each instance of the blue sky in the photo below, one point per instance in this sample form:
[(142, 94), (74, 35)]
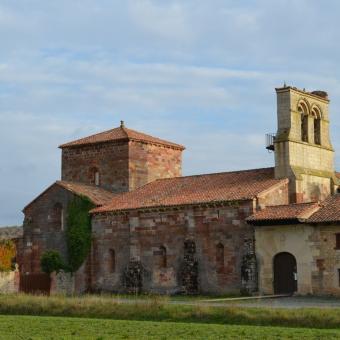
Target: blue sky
[(200, 73)]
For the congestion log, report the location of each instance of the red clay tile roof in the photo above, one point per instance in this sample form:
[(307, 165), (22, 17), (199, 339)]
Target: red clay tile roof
[(121, 134), (329, 211), (226, 186), (300, 211), (96, 195)]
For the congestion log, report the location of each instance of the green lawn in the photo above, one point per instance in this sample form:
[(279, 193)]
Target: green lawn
[(31, 327), (156, 309)]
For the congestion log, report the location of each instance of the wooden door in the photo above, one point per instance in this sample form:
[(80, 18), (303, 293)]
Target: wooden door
[(37, 283), (285, 274)]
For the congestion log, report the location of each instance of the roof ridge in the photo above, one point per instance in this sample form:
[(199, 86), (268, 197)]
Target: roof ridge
[(197, 189), (124, 128), (60, 181), (291, 204), (202, 175), (214, 173), (122, 133), (97, 197), (93, 135), (157, 139)]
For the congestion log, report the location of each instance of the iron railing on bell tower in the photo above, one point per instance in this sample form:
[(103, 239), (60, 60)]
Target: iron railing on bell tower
[(270, 139)]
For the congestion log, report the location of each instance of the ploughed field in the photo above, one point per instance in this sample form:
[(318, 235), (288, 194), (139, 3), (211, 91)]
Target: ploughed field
[(154, 317)]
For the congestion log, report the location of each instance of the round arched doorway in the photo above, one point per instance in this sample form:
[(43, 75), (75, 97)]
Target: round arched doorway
[(285, 274)]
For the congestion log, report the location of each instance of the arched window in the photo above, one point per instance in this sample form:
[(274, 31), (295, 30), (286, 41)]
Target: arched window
[(317, 125), (112, 261), (58, 216), (94, 176), (162, 257), (220, 255), (303, 110)]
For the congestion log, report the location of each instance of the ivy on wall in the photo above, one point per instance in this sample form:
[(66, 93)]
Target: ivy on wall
[(7, 254), (78, 232)]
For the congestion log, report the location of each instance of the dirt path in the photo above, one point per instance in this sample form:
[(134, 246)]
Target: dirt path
[(273, 302)]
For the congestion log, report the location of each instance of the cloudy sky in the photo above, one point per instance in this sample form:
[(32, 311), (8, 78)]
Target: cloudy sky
[(200, 73)]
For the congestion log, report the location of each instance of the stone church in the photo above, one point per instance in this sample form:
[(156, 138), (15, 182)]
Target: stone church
[(266, 230)]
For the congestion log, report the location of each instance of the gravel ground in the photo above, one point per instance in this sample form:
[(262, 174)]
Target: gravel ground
[(285, 302), (276, 302)]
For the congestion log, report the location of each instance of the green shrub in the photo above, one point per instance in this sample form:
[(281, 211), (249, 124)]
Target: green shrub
[(78, 233), (51, 261)]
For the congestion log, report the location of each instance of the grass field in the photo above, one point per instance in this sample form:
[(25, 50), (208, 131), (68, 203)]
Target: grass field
[(29, 327), (102, 317), (157, 309)]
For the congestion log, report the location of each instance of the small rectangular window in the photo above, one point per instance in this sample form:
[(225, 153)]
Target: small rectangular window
[(112, 261), (62, 220), (337, 241), (96, 178)]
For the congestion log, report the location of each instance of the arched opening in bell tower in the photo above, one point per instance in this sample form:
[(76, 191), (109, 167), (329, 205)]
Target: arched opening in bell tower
[(303, 110), (317, 125)]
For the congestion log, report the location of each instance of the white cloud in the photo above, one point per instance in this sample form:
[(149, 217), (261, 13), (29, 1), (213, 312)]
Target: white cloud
[(162, 20), (199, 73)]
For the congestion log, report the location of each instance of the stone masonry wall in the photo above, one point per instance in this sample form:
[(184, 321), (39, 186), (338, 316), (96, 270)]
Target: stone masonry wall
[(154, 243), (271, 240), (325, 268), (289, 123), (109, 233), (314, 248), (62, 283), (122, 166), (149, 162), (139, 236), (42, 229), (302, 162), (9, 282), (276, 196), (111, 160), (313, 188)]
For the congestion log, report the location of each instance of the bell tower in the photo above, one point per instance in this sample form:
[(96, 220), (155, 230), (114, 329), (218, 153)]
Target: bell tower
[(302, 146)]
